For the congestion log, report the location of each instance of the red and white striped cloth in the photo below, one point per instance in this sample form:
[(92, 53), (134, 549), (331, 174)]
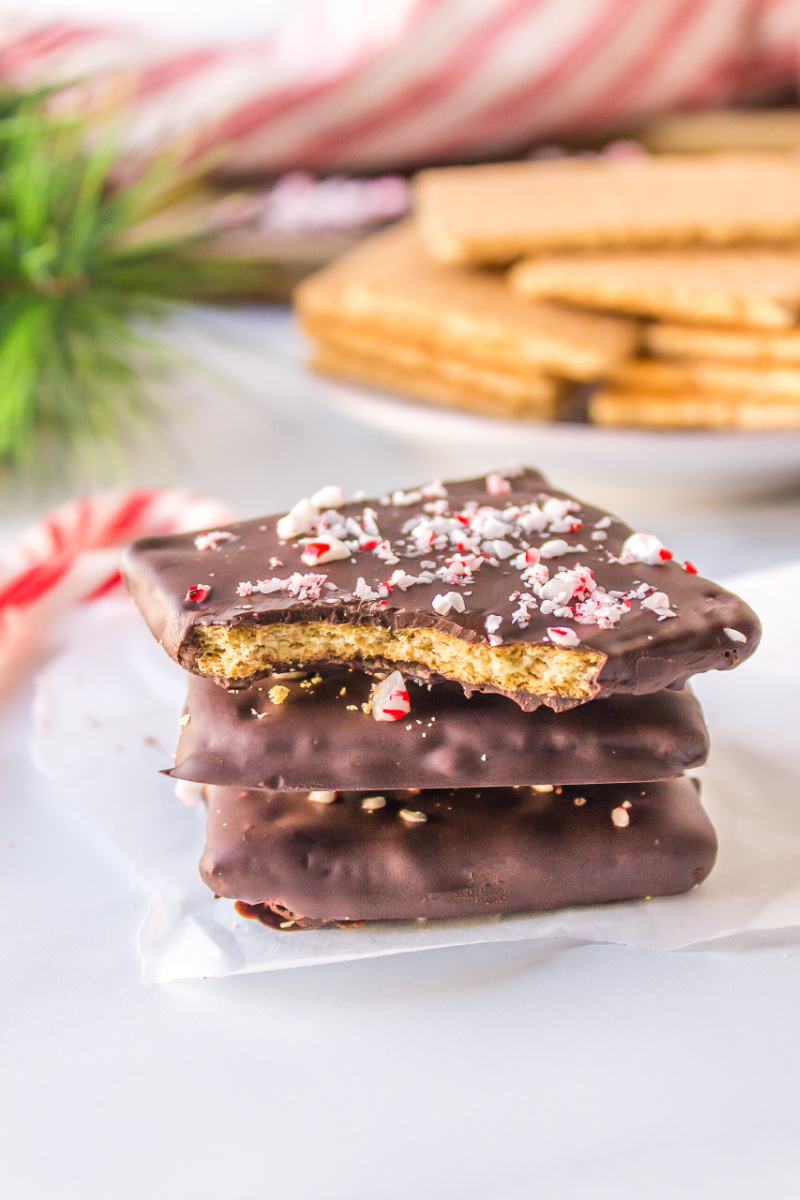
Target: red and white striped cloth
[(359, 85), (71, 558)]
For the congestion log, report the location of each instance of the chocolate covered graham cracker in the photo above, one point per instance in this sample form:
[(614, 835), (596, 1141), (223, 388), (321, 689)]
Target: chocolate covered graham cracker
[(495, 213), (388, 289), (502, 584), (321, 732), (295, 862)]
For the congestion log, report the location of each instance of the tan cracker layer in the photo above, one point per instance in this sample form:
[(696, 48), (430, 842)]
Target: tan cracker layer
[(698, 410), (534, 668), (755, 288), (389, 287), (409, 357), (473, 391), (655, 375), (738, 345), (498, 212)]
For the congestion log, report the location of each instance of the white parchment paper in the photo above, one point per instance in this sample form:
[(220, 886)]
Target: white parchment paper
[(108, 709)]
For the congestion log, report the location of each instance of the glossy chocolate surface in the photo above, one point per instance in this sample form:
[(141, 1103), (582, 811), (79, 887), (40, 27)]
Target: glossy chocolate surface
[(643, 651), (320, 737), (479, 852)]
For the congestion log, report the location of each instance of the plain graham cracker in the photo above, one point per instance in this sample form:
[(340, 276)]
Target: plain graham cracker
[(730, 345), (755, 288), (442, 381), (498, 212), (692, 410), (389, 288)]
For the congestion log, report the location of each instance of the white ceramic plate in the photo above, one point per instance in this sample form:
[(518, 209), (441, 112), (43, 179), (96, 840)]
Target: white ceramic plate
[(583, 458), (263, 350)]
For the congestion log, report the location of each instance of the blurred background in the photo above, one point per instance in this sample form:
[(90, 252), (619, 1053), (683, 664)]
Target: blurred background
[(173, 171)]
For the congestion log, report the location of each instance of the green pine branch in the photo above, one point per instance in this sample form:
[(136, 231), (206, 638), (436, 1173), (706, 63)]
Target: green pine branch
[(75, 283)]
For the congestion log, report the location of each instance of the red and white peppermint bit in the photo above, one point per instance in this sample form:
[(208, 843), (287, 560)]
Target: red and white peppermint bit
[(305, 587), (189, 793), (450, 600), (491, 625), (72, 556), (620, 817), (658, 603), (734, 635), (197, 592), (644, 548), (322, 797), (497, 485), (331, 496), (563, 637), (325, 549), (690, 567), (302, 518), (211, 541), (413, 816), (390, 698)]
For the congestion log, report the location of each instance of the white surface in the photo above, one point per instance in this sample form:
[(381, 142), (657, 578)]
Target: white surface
[(494, 1072), (108, 710)]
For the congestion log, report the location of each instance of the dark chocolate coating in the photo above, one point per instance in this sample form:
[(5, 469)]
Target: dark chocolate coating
[(492, 850), (642, 653), (319, 738)]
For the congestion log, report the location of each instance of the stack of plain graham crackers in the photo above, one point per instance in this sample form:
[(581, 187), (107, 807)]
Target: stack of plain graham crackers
[(672, 282)]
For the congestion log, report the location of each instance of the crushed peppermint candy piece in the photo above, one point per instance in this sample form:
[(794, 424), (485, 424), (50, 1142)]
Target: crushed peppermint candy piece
[(324, 550), (211, 540), (372, 803), (197, 593), (556, 548), (734, 634), (322, 797), (331, 496), (401, 499), (563, 637), (302, 518), (435, 490), (497, 484), (620, 817), (492, 624), (644, 548), (658, 603), (690, 567), (390, 698), (412, 816), (450, 600)]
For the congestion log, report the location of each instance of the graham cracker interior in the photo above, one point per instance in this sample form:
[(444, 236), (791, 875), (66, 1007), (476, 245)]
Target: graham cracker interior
[(242, 652)]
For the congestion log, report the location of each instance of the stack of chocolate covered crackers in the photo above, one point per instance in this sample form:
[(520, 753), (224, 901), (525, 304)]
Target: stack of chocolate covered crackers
[(460, 700), (671, 282)]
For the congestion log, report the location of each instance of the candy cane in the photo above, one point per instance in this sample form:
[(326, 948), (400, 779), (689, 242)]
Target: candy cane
[(71, 557)]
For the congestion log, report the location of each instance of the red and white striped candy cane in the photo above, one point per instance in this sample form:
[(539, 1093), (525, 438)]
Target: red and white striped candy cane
[(333, 86), (71, 557)]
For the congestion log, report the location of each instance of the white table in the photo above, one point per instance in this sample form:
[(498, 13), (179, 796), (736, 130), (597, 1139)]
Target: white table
[(486, 1073)]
